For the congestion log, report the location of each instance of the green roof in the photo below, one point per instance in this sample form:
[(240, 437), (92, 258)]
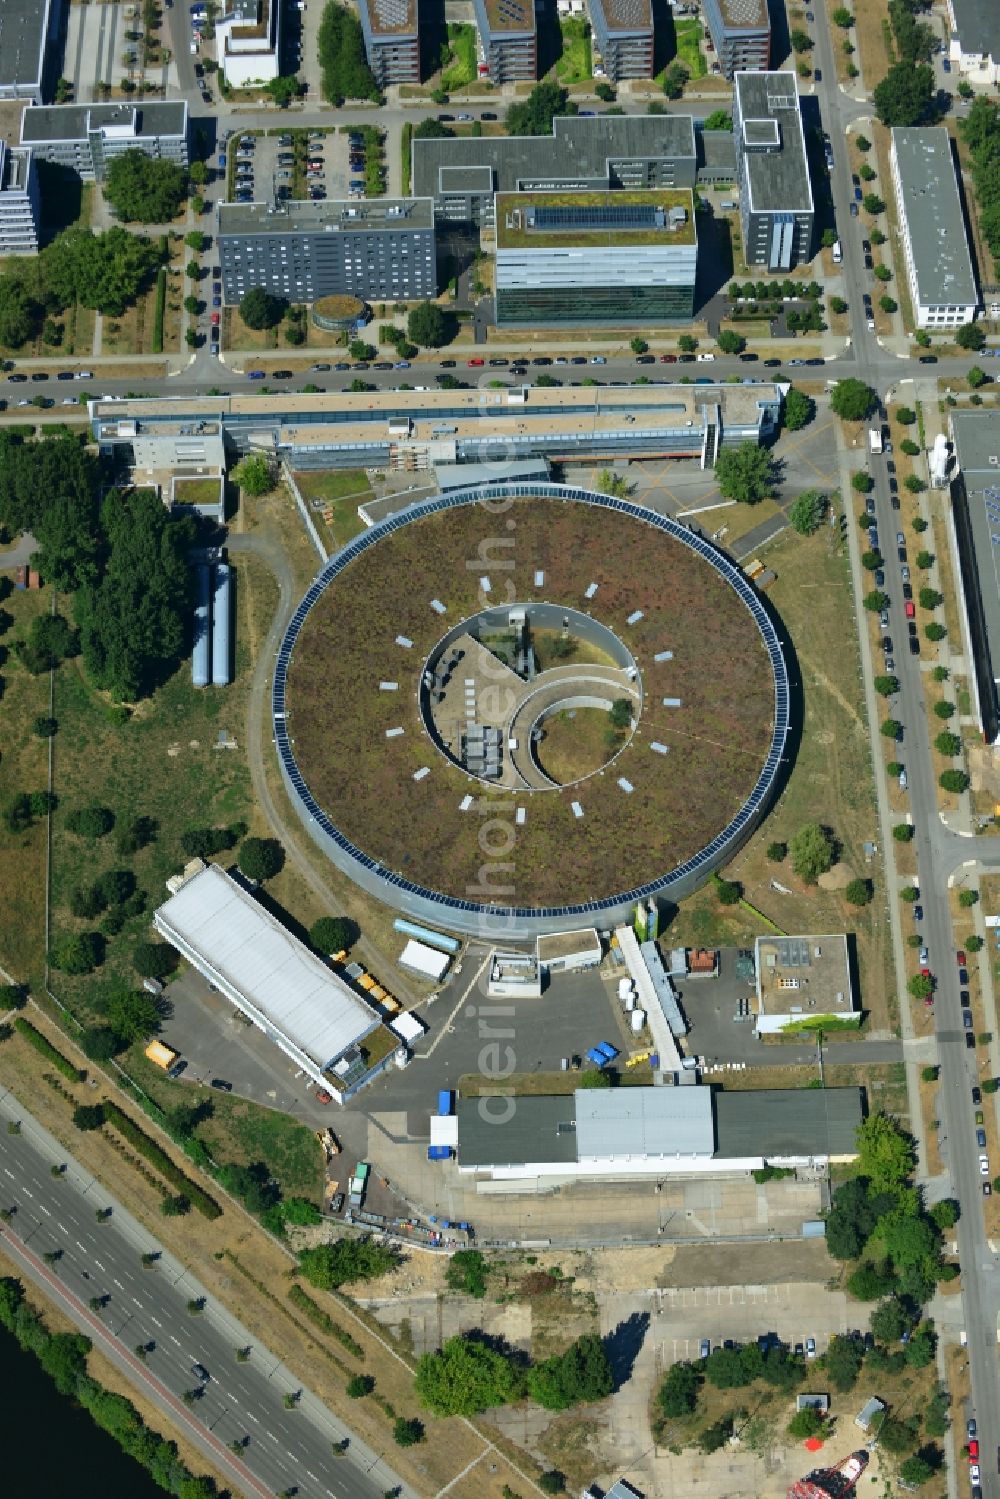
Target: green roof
[(513, 229)]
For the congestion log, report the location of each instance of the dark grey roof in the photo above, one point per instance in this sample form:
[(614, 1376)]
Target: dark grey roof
[(933, 211), (68, 122), (329, 215), (716, 149), (977, 450), (487, 1137), (977, 23), (778, 179), (577, 150), (787, 1122), (23, 26)]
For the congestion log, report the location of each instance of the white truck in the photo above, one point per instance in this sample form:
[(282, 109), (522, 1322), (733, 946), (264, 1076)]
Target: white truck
[(875, 439)]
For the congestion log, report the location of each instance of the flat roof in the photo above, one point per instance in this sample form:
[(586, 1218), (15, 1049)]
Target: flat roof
[(351, 417), (535, 1129), (778, 176), (787, 1121), (811, 974), (977, 450), (554, 945), (625, 15), (23, 34), (216, 919), (748, 15), (584, 212), (932, 208), (391, 17), (65, 122), (644, 1122), (329, 216), (510, 16), (578, 150), (15, 165), (977, 23)]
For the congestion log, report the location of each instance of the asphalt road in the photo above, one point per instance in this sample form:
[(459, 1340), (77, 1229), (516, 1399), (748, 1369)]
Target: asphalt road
[(285, 1448)]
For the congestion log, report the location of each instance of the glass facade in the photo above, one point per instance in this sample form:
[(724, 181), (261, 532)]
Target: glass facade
[(605, 304)]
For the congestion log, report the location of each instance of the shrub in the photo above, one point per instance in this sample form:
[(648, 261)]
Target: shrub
[(322, 1319), (858, 893), (154, 1153), (777, 852), (44, 1046), (90, 822), (359, 1385), (407, 1432)]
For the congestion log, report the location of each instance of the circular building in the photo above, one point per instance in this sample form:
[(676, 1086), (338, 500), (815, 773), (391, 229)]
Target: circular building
[(336, 313), (521, 709)]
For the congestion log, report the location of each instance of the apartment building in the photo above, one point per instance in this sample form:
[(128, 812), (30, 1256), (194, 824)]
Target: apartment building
[(391, 29), (86, 137), (622, 38), (939, 269), (776, 202), (740, 31), (20, 207), (508, 41)]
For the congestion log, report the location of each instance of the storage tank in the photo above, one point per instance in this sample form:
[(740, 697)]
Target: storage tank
[(221, 610), (630, 1004), (638, 1021), (201, 648)]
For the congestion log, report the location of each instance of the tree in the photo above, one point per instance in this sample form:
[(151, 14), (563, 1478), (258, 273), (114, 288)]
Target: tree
[(851, 1219), (905, 95), (259, 309), (777, 852), (886, 686), (947, 743), (360, 1385), (870, 1281), (428, 325), (903, 832), (534, 115), (175, 1207), (284, 89), (620, 713), (678, 1394), (876, 601), (909, 893), (945, 1213), (808, 1422), (330, 1266), (143, 188), (674, 78), (132, 1014), (889, 1321), (687, 343), (407, 1432), (358, 349), (976, 377), (852, 400), (886, 1153), (812, 852), (99, 1043), (727, 891), (90, 822), (955, 781), (731, 342), (154, 960), (340, 47), (80, 954), (842, 17), (466, 1377), (915, 1470), (800, 41), (638, 345), (594, 1077), (973, 942), (970, 336), (944, 710), (261, 858), (807, 513), (914, 484), (332, 934), (745, 473), (892, 728), (254, 474), (799, 409), (843, 1359), (858, 893), (88, 1116), (888, 304), (582, 1373)]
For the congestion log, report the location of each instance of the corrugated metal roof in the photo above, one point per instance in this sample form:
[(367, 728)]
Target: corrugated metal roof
[(273, 971), (644, 1122)]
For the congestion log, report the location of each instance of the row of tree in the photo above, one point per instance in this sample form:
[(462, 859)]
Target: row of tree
[(106, 271), (981, 132), (340, 46), (471, 1374)]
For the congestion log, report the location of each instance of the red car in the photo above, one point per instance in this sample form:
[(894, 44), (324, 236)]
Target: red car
[(475, 363), (324, 1096), (215, 319), (960, 958), (668, 358), (973, 1451), (925, 973), (910, 608)]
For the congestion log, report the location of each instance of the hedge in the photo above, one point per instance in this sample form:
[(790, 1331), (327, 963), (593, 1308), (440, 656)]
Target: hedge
[(158, 1157), (161, 302), (44, 1045), (324, 1321)]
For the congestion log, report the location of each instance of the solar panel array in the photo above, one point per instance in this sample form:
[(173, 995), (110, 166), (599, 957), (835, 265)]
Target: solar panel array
[(630, 12), (511, 13), (594, 216), (392, 13)]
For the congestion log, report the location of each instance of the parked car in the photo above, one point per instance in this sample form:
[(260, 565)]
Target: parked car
[(977, 1098), (222, 1085), (981, 1138), (967, 1021), (960, 958), (706, 1348), (810, 1347), (963, 976), (918, 913)]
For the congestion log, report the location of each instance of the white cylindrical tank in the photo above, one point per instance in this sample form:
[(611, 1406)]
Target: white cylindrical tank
[(638, 1021), (221, 610), (630, 1003), (201, 659), (625, 988)]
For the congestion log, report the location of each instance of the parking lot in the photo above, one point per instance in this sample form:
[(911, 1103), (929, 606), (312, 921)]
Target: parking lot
[(293, 164)]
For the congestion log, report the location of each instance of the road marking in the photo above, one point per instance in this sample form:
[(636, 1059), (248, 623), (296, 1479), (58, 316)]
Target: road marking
[(272, 1436), (118, 1283), (81, 1246), (174, 1340), (45, 1210), (252, 1417), (27, 1193), (158, 1322), (98, 1264), (137, 1301), (10, 1174)]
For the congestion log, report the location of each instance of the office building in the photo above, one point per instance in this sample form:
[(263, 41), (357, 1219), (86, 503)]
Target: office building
[(634, 152), (86, 137), (26, 29), (622, 45), (974, 40), (975, 510), (935, 245), (381, 250), (741, 35), (508, 42), (803, 980), (20, 207), (772, 169), (592, 258), (392, 40), (248, 41)]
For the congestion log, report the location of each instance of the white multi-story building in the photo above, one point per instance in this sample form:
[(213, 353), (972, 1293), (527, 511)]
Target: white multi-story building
[(248, 41), (19, 202), (974, 40), (85, 137), (26, 29), (777, 214), (935, 247)]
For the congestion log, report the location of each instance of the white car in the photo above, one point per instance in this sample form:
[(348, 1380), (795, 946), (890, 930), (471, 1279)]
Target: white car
[(810, 1347), (984, 1160), (85, 374), (974, 1474), (70, 401), (706, 358)]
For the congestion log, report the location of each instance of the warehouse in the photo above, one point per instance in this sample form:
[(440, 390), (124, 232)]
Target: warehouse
[(623, 1133), (269, 975)]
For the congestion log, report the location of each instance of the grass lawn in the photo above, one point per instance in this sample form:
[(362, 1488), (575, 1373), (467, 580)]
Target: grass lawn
[(830, 780), (460, 68), (196, 491), (339, 492), (575, 744), (575, 65), (23, 767), (689, 51)]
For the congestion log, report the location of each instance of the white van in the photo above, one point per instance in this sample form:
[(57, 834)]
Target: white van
[(838, 253)]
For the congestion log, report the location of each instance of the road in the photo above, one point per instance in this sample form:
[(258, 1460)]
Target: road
[(285, 1448)]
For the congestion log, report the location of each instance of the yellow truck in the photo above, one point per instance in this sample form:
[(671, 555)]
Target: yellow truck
[(161, 1055)]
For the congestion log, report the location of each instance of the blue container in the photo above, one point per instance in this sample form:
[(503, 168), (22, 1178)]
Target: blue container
[(445, 1102)]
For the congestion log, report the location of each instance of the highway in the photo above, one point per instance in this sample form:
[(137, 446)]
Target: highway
[(285, 1449)]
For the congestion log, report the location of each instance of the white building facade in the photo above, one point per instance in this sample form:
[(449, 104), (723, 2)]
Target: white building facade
[(936, 253), (20, 206)]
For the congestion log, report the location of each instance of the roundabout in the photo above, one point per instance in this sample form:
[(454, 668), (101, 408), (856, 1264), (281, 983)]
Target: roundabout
[(526, 707)]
